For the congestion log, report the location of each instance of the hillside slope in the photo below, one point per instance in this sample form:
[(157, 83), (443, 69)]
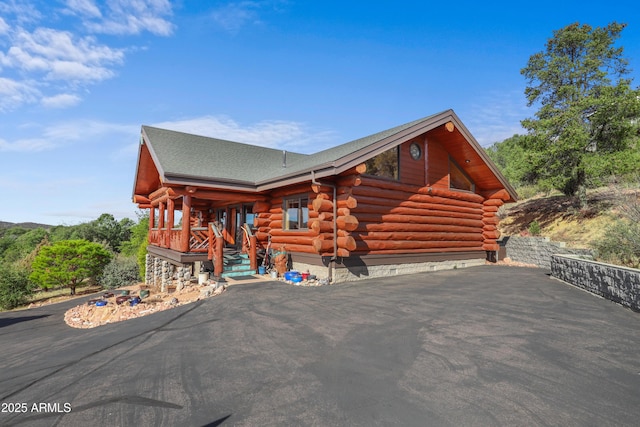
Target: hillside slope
[(27, 225), (561, 219)]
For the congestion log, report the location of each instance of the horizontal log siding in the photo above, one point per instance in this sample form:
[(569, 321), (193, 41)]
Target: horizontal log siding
[(378, 216), (269, 219), (395, 217), (490, 219)]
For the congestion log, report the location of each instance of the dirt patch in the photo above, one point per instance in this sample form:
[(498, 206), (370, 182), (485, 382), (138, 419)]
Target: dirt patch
[(94, 313), (562, 219)]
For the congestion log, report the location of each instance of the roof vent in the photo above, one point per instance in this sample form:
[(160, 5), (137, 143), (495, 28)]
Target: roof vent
[(284, 158)]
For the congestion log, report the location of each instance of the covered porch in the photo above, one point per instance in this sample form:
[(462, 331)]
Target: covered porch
[(188, 225)]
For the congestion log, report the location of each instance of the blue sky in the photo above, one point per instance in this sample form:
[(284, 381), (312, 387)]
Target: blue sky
[(79, 77)]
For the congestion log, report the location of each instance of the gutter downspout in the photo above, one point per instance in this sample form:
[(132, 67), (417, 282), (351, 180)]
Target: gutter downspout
[(335, 223)]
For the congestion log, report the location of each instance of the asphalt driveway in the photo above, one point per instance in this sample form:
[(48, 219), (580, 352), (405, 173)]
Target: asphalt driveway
[(488, 345)]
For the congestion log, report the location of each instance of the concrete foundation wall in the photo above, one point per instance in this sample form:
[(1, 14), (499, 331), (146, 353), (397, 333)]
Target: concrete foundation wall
[(618, 284), (343, 274), (537, 250)]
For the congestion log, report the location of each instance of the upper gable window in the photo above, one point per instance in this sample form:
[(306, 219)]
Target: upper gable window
[(384, 165), (458, 179)]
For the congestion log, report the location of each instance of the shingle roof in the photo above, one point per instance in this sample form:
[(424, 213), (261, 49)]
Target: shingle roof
[(183, 155), (179, 154)]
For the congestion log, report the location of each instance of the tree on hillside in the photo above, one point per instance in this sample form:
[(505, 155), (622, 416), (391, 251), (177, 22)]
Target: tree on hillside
[(137, 243), (511, 158), (68, 263), (587, 108), (14, 287), (106, 229), (24, 244)]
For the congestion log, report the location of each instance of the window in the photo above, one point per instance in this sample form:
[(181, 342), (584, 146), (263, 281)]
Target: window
[(296, 213), (384, 165), (458, 179)]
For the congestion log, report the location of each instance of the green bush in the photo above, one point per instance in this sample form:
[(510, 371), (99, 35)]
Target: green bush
[(14, 287), (121, 271), (620, 244), (534, 228)]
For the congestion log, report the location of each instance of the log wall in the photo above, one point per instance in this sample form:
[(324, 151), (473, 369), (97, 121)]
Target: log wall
[(379, 216), (399, 218), (269, 221)]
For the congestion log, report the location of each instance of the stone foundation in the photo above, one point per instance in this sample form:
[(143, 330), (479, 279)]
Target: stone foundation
[(163, 274)]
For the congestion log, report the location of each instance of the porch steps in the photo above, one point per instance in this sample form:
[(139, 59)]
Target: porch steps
[(236, 264)]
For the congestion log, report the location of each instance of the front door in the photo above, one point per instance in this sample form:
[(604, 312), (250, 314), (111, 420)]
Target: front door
[(232, 218)]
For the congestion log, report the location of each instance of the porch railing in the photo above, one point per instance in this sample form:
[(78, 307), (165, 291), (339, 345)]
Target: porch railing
[(172, 239), (207, 240)]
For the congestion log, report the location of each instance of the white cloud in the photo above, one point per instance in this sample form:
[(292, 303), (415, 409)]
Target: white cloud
[(235, 15), (62, 100), (267, 133), (14, 93), (124, 17), (85, 8), (53, 136), (51, 65), (22, 11), (86, 130), (62, 55), (4, 27), (496, 116), (26, 145)]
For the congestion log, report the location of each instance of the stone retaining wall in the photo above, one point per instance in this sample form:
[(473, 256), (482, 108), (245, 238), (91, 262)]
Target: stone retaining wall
[(537, 250), (618, 284)]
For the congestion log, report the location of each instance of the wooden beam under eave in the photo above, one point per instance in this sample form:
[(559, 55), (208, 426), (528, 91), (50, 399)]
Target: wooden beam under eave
[(138, 198), (158, 193), (229, 196), (158, 200)]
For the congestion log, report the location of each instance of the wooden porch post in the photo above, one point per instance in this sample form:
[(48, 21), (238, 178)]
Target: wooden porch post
[(186, 223), (161, 215), (219, 262), (170, 220), (152, 218), (171, 215), (253, 255), (163, 237)]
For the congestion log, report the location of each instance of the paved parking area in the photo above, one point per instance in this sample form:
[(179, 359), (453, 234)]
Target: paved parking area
[(487, 345)]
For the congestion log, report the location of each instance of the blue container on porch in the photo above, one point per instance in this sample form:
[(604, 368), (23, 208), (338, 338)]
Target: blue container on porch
[(262, 270)]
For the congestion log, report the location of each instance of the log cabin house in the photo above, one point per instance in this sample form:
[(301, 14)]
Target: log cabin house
[(417, 197)]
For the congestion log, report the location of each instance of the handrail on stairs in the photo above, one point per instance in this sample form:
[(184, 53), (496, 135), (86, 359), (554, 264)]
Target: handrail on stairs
[(216, 248), (252, 243)]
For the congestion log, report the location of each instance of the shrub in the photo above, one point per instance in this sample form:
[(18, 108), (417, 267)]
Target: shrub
[(620, 244), (534, 228), (527, 191), (121, 271), (14, 287)]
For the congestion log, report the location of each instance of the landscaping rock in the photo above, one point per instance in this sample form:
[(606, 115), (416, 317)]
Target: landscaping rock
[(90, 316)]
